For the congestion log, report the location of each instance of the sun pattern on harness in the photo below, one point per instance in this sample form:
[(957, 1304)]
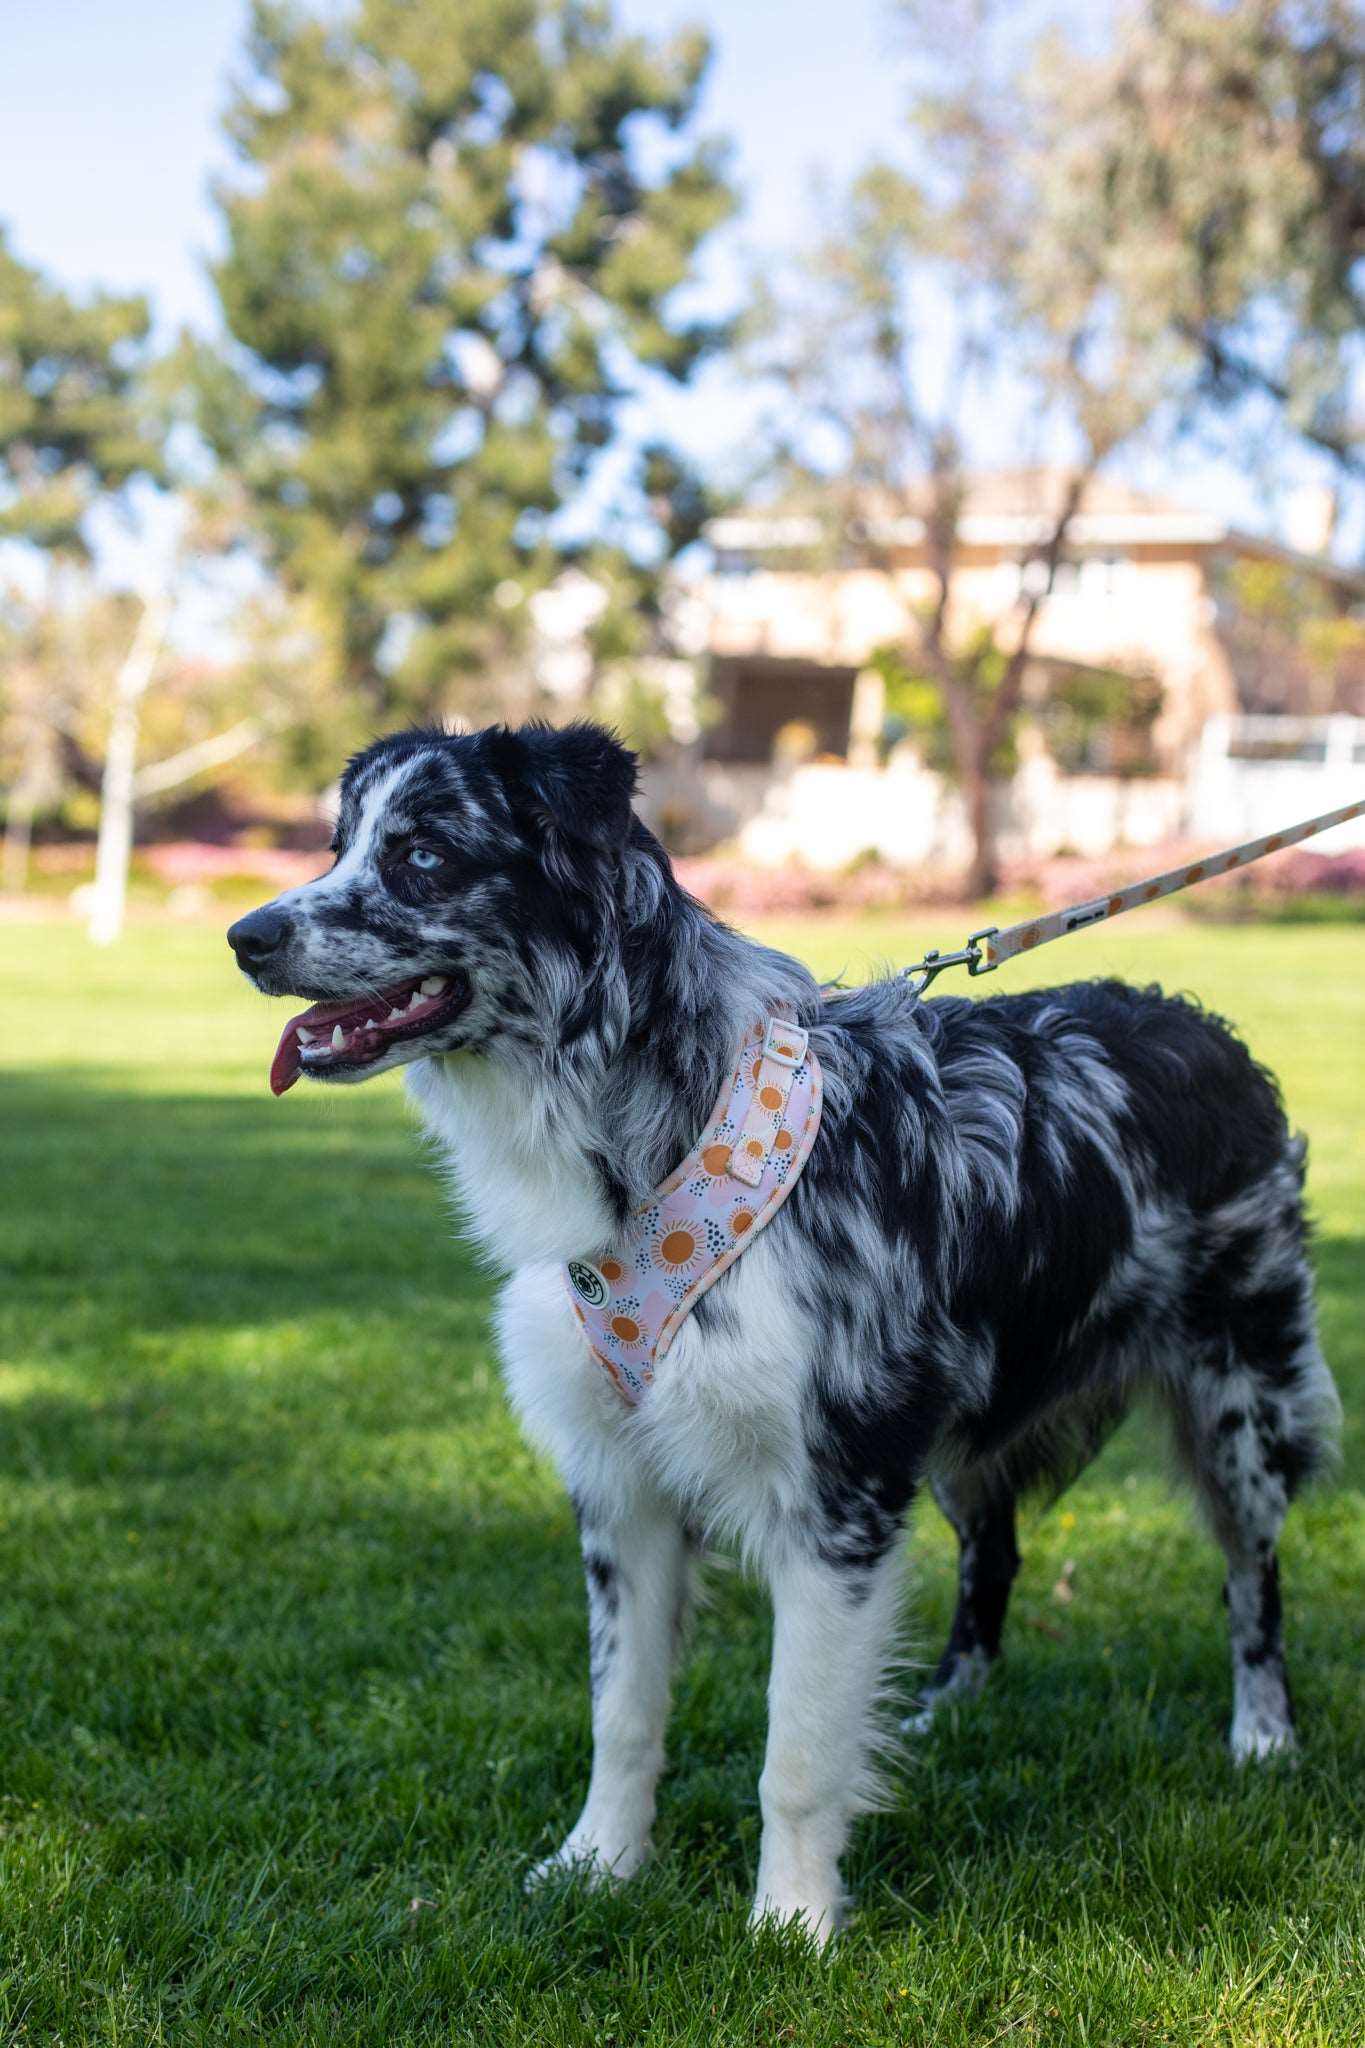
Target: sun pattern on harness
[(632, 1299)]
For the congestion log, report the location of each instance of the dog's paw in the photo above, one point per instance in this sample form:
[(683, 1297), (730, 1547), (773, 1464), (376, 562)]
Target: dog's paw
[(963, 1682), (817, 1920), (587, 1862), (1256, 1738)]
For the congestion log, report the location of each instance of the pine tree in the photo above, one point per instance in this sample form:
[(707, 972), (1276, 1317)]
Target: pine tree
[(70, 425), (453, 255), (75, 429)]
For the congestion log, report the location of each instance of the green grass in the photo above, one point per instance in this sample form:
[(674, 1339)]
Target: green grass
[(291, 1633)]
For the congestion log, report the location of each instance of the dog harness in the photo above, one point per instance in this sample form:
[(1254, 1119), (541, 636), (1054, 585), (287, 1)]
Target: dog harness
[(632, 1299)]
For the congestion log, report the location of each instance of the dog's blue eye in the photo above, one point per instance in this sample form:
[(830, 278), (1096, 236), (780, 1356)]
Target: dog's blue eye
[(423, 857)]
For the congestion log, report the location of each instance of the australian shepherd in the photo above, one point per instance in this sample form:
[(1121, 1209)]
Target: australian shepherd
[(1017, 1214)]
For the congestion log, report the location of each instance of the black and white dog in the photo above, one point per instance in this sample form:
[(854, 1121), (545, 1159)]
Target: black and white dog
[(1017, 1213)]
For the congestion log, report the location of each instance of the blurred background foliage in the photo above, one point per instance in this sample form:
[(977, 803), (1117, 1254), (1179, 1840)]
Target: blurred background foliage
[(461, 244)]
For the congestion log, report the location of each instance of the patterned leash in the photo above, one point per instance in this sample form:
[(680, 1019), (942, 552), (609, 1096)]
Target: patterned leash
[(989, 948)]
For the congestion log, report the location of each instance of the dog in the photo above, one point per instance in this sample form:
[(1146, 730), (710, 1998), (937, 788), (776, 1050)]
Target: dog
[(1017, 1214)]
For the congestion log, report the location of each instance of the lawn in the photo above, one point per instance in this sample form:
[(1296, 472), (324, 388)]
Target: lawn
[(292, 1644)]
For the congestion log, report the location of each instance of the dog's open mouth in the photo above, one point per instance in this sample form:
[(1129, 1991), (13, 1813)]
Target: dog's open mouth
[(347, 1037)]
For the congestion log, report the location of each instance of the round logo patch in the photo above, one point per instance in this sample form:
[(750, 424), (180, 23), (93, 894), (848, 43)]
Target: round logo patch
[(588, 1282)]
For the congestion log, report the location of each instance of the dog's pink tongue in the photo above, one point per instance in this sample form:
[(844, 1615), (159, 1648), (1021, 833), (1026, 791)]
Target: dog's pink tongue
[(287, 1065)]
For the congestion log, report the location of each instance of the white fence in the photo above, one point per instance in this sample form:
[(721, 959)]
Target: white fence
[(826, 815), (1251, 775), (1247, 776)]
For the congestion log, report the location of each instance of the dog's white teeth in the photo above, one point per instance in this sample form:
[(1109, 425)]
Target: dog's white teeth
[(433, 985), (394, 1017), (305, 1037), (416, 999), (338, 1038), (370, 1024)]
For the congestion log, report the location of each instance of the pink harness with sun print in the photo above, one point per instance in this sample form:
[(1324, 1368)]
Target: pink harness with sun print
[(632, 1299)]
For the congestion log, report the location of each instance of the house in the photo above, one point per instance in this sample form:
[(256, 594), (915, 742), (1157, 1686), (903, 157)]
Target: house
[(1180, 604)]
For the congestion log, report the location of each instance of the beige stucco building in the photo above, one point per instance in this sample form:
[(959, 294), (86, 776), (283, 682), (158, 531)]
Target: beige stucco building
[(1148, 590)]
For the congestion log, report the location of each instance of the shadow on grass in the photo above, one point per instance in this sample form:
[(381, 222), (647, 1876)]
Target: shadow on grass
[(177, 1209)]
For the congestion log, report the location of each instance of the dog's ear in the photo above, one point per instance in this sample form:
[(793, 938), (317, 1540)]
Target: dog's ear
[(580, 779)]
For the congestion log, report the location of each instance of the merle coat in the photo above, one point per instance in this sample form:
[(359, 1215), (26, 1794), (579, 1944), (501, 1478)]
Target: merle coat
[(1018, 1213)]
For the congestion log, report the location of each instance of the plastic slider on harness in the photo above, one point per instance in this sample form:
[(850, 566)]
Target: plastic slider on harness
[(784, 1048)]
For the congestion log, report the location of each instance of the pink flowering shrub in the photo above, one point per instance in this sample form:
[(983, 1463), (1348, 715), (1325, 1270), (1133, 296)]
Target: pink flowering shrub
[(1301, 872), (177, 861), (1278, 880), (1297, 883), (736, 888)]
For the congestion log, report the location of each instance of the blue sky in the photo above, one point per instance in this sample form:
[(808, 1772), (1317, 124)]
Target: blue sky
[(109, 138), (109, 119)]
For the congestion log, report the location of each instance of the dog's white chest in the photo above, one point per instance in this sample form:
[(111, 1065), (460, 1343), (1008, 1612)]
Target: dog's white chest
[(720, 1431)]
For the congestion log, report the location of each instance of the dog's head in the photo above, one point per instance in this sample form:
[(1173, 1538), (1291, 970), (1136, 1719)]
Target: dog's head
[(471, 895)]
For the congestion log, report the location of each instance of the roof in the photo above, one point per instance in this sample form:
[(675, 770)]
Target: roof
[(1016, 510)]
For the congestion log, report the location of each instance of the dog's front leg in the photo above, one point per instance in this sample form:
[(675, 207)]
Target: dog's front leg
[(832, 1630), (637, 1561)]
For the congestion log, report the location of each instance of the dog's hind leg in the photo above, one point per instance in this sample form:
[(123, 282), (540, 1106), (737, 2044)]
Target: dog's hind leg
[(1248, 1442), (638, 1561), (980, 1506), (1255, 1412), (980, 1499)]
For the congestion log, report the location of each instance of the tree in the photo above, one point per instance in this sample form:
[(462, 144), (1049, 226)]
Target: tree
[(1296, 644), (85, 412), (1213, 158), (74, 432), (57, 650), (937, 295), (1081, 245), (71, 429), (452, 261)]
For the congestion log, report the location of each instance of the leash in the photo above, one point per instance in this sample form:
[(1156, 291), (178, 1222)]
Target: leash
[(990, 947)]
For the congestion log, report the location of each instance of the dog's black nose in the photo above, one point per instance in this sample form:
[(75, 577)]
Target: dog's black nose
[(256, 936)]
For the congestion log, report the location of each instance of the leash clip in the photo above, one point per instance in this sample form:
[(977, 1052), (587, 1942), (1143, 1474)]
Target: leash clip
[(971, 956)]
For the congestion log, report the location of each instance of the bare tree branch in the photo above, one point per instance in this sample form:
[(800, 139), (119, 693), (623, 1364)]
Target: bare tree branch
[(215, 752)]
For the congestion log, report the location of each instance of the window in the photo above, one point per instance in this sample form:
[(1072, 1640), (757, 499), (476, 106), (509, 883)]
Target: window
[(1092, 576)]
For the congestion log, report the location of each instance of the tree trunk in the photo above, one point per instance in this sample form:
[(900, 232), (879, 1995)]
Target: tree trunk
[(983, 871), (973, 745), (115, 846), (30, 787), (977, 722)]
